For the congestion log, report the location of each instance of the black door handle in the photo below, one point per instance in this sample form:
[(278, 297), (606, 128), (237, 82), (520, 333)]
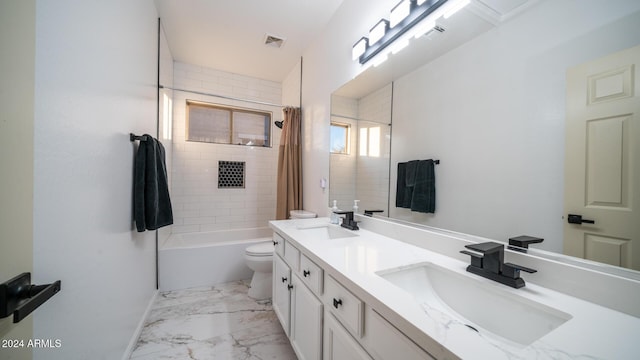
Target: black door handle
[(577, 219)]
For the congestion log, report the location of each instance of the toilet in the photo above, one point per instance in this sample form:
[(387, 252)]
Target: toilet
[(259, 258)]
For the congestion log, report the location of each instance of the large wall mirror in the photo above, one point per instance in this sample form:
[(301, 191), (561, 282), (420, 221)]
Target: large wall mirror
[(360, 150), (499, 113)]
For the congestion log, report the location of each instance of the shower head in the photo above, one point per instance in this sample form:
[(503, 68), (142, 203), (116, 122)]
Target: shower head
[(279, 124)]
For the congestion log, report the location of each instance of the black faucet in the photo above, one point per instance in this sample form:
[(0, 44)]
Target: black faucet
[(521, 243), (370, 212), (348, 221), (490, 264)]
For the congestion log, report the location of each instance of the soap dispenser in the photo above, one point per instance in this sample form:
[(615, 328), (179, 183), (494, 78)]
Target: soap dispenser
[(334, 219), (355, 206)]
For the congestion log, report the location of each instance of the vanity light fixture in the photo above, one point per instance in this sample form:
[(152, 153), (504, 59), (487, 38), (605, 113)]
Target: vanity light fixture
[(404, 16), (377, 32), (359, 48), (399, 12)]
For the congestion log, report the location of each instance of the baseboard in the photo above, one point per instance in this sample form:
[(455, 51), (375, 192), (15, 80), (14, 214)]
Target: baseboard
[(136, 334)]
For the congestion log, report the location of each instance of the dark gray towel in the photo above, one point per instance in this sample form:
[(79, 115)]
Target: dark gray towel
[(152, 205), (401, 184), (410, 177), (404, 192), (424, 191)]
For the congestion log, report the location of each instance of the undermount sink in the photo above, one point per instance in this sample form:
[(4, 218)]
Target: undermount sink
[(482, 307), (326, 232)]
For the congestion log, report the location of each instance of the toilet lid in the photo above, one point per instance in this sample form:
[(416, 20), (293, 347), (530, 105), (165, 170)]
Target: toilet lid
[(261, 249), (302, 214)]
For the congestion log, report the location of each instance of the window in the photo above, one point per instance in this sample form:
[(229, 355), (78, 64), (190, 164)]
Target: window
[(227, 125), (339, 138)]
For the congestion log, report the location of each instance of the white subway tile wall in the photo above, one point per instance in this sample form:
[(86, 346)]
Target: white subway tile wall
[(198, 204)]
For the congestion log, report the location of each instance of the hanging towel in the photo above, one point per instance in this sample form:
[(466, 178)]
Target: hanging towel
[(410, 179), (401, 184), (152, 205), (424, 191)]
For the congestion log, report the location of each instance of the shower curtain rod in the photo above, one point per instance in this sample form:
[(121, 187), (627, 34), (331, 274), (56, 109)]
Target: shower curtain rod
[(222, 96)]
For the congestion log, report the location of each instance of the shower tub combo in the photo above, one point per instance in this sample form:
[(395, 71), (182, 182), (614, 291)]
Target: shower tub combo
[(207, 258)]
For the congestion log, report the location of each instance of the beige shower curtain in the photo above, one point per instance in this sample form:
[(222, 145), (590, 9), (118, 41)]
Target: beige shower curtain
[(289, 195)]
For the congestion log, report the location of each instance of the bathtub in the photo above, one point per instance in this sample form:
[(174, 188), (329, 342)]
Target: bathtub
[(206, 258)]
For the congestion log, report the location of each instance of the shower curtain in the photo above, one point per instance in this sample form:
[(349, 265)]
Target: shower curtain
[(289, 191)]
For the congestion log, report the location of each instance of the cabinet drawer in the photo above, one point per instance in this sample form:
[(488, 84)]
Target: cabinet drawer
[(311, 274), (278, 242), (292, 256), (383, 340), (346, 306)]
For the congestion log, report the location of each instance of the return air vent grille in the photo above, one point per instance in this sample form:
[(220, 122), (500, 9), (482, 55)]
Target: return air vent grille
[(274, 40)]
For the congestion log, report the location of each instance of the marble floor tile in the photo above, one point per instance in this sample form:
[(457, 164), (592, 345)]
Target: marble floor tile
[(219, 322)]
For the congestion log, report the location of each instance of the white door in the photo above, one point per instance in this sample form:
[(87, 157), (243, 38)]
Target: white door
[(602, 160), (17, 41)]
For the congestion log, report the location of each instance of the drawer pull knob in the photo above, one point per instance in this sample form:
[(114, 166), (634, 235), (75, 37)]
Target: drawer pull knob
[(284, 279), (306, 273), (336, 302), (275, 243), (289, 286)]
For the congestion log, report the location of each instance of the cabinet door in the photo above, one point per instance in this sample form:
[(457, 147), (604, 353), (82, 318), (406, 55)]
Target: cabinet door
[(306, 322), (281, 293), (338, 343)]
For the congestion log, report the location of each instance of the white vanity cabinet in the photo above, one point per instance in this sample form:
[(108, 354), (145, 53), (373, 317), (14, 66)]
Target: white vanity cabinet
[(297, 283), (324, 319)]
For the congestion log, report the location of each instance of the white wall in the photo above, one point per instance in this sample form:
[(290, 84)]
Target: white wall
[(197, 202), (95, 81), (291, 87), (493, 112)]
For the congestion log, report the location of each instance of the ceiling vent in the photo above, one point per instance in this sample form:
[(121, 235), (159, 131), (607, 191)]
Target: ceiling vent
[(274, 40)]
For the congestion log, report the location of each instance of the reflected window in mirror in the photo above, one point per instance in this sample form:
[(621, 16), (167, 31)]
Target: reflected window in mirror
[(339, 138), (370, 141)]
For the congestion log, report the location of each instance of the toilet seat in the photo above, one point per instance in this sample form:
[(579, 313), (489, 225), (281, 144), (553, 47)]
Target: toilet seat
[(260, 250)]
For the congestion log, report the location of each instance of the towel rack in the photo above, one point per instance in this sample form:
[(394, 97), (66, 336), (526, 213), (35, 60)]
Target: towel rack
[(134, 137)]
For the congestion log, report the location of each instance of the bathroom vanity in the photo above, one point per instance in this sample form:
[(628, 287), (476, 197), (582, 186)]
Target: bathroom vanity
[(391, 291)]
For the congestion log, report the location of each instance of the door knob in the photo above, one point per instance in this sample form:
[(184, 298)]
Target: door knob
[(577, 219)]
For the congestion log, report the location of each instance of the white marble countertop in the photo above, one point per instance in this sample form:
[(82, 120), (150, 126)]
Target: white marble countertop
[(593, 332)]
